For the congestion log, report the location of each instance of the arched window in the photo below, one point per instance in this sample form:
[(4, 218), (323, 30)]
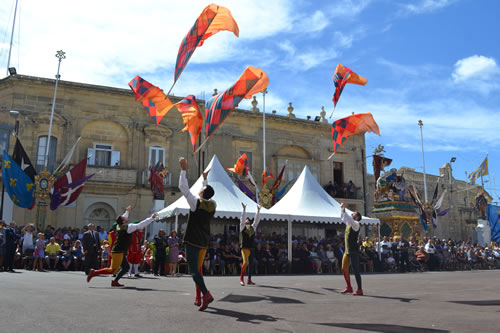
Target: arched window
[(40, 155)]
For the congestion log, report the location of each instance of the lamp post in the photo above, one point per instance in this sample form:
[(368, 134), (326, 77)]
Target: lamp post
[(59, 55), (421, 124), (44, 180)]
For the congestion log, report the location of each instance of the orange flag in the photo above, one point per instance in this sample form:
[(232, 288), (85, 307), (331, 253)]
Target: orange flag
[(192, 118), (343, 128), (241, 166), (153, 98)]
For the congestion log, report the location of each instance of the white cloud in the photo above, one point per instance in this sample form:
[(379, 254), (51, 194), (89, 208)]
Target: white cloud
[(427, 6), (312, 23), (476, 67), (348, 9)]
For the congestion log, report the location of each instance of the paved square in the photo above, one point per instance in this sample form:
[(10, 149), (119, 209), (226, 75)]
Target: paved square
[(416, 302)]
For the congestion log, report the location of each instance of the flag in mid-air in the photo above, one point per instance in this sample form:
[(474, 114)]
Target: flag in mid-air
[(341, 77), (192, 118), (241, 166), (218, 108), (17, 183), (154, 100), (343, 128), (212, 20)]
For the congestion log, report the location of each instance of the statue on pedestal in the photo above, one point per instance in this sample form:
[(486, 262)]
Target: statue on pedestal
[(156, 175)]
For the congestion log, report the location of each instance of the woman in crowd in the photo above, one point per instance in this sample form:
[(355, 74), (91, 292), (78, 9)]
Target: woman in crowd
[(315, 261), (173, 253), (66, 256), (28, 237), (77, 252), (39, 253)]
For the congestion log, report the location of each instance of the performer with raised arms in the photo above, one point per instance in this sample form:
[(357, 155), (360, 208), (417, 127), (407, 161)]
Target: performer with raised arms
[(351, 254), (247, 242), (197, 235), (119, 263)]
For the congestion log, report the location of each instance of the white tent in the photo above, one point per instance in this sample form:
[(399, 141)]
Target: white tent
[(307, 201), (227, 195)]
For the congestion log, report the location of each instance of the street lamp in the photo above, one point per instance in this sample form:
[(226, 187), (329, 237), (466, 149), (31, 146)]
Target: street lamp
[(421, 124)]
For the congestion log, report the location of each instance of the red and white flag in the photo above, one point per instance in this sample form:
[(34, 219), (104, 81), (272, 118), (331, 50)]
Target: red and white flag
[(67, 188)]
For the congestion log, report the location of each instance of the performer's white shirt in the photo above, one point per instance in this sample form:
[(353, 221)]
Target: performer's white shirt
[(348, 220), (255, 223), (191, 198), (136, 226)]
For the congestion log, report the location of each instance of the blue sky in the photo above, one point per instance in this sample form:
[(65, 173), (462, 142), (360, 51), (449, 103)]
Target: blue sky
[(434, 60)]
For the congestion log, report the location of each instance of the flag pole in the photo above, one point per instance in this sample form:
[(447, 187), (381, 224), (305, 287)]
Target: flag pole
[(59, 55), (12, 37), (330, 157), (264, 92)]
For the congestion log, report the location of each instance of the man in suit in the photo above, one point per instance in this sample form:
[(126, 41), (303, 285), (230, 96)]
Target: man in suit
[(91, 246), (11, 242)]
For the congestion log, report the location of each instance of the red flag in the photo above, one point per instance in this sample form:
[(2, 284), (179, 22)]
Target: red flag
[(67, 188), (277, 182), (241, 166), (192, 118), (343, 128)]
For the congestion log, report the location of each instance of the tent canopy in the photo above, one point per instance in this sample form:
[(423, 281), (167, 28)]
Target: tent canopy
[(307, 201), (227, 196)]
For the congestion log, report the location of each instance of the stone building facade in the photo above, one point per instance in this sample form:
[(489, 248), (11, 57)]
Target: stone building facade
[(119, 140), (460, 222)]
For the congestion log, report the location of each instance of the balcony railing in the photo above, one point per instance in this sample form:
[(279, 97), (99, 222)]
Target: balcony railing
[(112, 175)]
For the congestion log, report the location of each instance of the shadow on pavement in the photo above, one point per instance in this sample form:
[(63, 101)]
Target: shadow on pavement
[(401, 299), (136, 288), (242, 316), (289, 288), (384, 328), (249, 299), (495, 302)]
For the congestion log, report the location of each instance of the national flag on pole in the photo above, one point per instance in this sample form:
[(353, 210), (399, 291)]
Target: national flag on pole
[(220, 106), (67, 188), (67, 160), (265, 176), (343, 128), (17, 183), (246, 190), (212, 20), (154, 100), (493, 213), (482, 170), (277, 182), (341, 77), (241, 166), (23, 160), (192, 118)]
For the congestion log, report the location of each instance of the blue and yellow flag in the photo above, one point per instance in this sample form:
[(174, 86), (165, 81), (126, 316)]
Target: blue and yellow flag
[(482, 170), (18, 184), (493, 213)]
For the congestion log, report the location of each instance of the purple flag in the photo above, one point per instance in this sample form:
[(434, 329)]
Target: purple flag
[(246, 190)]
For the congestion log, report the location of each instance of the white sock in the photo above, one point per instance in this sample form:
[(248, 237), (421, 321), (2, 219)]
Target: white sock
[(130, 268), (136, 268)]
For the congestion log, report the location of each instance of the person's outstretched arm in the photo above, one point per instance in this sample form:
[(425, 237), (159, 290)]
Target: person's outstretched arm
[(256, 220), (184, 187), (243, 216), (348, 218), (141, 225)]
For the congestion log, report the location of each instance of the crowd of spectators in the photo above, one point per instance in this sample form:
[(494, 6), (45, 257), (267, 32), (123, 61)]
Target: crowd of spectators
[(345, 190), (61, 249)]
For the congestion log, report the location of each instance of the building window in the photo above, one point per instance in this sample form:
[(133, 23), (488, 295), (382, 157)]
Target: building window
[(40, 156), (4, 140), (156, 154), (338, 173), (249, 158), (103, 155)]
